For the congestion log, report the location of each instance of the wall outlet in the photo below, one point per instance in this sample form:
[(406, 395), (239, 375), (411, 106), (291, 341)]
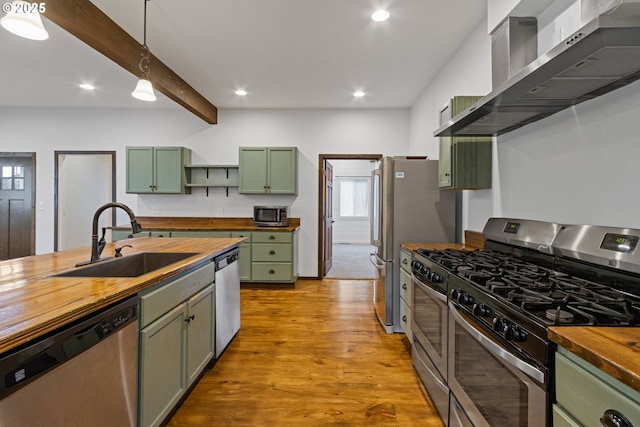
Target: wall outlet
[(218, 211)]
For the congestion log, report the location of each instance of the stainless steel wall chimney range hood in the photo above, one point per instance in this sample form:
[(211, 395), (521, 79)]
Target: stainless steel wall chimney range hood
[(600, 57)]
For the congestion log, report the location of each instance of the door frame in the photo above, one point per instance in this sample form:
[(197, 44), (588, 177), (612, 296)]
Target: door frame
[(56, 170), (321, 202), (32, 156)]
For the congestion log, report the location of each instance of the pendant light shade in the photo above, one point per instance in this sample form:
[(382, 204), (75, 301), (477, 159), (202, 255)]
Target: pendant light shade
[(23, 20), (144, 91), (144, 88)]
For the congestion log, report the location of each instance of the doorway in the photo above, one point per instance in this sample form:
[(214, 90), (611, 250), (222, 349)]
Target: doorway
[(84, 181), (17, 205), (348, 256)]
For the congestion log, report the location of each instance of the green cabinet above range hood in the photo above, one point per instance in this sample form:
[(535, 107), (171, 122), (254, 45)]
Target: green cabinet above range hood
[(602, 56)]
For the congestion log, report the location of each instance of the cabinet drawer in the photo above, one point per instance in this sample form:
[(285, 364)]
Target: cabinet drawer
[(161, 299), (586, 393), (562, 419), (246, 234), (405, 287), (277, 253), (276, 237), (405, 261), (405, 320), (203, 233), (271, 272)]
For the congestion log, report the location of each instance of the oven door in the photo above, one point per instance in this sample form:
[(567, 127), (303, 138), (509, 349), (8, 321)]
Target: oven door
[(429, 353), (490, 385), (429, 322)]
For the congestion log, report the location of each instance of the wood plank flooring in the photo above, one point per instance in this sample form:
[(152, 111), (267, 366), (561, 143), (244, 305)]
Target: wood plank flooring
[(310, 355)]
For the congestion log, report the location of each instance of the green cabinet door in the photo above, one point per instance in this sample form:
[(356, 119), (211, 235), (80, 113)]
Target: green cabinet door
[(162, 375), (268, 170), (282, 168), (200, 332), (139, 169), (253, 170), (158, 170), (465, 161)]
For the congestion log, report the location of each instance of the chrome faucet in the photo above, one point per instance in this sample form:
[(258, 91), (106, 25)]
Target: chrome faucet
[(98, 246)]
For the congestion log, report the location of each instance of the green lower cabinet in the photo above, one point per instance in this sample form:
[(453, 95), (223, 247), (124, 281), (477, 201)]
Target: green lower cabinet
[(126, 234), (194, 233), (273, 256), (162, 371), (177, 340), (584, 393)]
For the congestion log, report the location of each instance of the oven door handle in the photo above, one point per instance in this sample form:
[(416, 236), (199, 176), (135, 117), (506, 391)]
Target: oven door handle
[(433, 294), (494, 348)]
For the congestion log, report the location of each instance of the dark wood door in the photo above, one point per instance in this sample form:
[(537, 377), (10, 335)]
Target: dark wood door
[(17, 213), (328, 217)]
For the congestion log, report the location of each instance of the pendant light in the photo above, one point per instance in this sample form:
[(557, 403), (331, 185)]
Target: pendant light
[(144, 88), (23, 19)]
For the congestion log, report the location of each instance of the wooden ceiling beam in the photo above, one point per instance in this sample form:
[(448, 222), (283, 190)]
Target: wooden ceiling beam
[(85, 21)]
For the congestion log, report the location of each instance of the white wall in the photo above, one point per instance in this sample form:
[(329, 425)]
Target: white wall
[(314, 132)]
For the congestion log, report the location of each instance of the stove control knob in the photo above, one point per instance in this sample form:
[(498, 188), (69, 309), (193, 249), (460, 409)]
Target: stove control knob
[(481, 310), (498, 324), (455, 294), (519, 335), (425, 270), (509, 332), (464, 298), (436, 278)]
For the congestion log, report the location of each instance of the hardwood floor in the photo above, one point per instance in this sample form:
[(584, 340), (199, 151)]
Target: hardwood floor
[(313, 355)]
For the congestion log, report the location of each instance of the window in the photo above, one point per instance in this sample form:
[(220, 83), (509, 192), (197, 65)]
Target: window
[(354, 197)]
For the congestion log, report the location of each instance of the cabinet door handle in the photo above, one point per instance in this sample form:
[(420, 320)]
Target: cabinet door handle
[(272, 237), (613, 418), (190, 318), (404, 261), (404, 318), (272, 271), (404, 286), (272, 252)]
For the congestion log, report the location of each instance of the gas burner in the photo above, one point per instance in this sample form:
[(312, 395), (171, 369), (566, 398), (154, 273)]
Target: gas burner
[(559, 316)]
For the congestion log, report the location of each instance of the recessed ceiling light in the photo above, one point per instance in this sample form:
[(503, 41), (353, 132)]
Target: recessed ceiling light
[(241, 92), (87, 86), (358, 94), (380, 15)]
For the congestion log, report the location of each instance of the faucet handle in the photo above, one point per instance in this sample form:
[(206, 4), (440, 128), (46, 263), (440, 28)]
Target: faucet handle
[(118, 251)]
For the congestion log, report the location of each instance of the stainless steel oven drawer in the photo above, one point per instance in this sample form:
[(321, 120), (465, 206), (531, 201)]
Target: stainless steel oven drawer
[(436, 388)]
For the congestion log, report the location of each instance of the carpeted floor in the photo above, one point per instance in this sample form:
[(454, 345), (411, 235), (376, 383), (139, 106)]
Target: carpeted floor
[(351, 261)]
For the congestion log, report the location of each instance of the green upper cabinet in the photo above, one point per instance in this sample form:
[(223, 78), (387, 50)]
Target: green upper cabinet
[(158, 170), (464, 161), (268, 170)]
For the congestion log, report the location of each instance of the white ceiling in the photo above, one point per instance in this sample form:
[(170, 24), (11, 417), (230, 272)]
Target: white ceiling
[(285, 53)]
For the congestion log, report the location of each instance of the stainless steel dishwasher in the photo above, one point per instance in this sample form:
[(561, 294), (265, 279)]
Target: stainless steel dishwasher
[(227, 279), (84, 374)]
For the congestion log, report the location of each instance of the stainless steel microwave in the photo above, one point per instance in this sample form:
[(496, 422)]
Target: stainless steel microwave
[(271, 216)]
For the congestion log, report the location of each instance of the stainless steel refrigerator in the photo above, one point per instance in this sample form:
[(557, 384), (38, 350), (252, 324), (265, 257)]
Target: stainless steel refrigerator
[(406, 206)]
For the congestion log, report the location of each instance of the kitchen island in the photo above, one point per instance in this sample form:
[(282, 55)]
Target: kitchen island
[(33, 303)]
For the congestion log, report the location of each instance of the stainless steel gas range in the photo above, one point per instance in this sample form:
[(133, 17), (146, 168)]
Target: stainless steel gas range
[(480, 318)]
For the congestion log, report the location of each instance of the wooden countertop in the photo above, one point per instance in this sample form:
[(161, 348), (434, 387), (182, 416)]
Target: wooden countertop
[(32, 303), (614, 350), (205, 224)]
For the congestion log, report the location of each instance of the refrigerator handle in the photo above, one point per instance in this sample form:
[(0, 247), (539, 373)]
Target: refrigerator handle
[(375, 208), (374, 260)]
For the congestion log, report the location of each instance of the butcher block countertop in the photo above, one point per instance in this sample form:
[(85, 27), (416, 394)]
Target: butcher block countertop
[(204, 224), (32, 303), (615, 351)]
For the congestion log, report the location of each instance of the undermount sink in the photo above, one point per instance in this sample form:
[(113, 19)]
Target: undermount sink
[(129, 265)]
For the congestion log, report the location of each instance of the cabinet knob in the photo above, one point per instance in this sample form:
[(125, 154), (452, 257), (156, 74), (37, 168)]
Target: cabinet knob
[(404, 318), (272, 237), (613, 418), (272, 252), (272, 271), (404, 286), (190, 318)]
